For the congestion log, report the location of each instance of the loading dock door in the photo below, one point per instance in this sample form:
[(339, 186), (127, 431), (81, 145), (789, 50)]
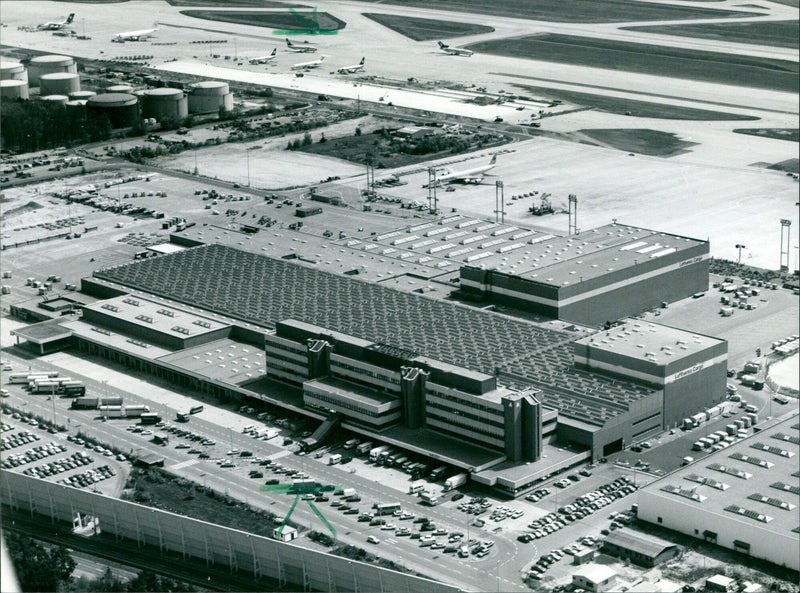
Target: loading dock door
[(612, 447)]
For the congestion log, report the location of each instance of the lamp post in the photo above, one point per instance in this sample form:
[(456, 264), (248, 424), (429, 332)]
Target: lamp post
[(740, 246)]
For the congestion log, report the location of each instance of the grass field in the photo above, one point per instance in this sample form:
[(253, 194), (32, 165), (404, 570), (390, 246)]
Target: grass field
[(356, 148), (673, 62), (426, 29), (620, 106), (773, 33), (790, 134), (641, 141), (273, 20), (574, 11)]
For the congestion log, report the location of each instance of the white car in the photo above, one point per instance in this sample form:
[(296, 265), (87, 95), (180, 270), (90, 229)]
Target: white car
[(373, 540)]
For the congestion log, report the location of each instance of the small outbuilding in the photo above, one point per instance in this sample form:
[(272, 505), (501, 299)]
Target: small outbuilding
[(640, 549), (594, 577), (719, 582), (288, 534)]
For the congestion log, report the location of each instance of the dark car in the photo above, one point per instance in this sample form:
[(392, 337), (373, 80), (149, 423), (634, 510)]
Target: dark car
[(272, 481), (457, 496)]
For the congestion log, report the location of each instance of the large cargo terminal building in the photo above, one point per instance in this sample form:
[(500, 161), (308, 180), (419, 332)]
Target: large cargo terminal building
[(392, 364)]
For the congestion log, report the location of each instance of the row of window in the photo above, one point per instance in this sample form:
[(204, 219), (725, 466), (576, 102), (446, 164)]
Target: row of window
[(481, 420), (339, 403), (296, 348), (440, 392), (434, 415), (443, 428), (395, 379)]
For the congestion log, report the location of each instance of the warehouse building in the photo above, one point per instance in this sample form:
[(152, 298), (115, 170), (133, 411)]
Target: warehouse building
[(744, 497), (597, 276), (688, 367), (596, 410)]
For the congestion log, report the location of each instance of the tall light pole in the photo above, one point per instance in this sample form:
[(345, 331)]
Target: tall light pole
[(740, 246)]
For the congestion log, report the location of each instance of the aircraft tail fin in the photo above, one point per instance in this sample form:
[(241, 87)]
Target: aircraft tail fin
[(70, 17), (442, 45), (361, 63), (289, 43), (274, 51), (494, 160)]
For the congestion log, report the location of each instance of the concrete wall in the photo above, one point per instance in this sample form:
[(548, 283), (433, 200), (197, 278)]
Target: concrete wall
[(690, 518), (309, 570)]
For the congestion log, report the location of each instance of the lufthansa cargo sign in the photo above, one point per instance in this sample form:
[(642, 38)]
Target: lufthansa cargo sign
[(691, 261), (689, 371)]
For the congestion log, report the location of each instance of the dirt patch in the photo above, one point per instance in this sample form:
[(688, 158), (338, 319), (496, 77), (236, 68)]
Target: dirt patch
[(641, 141), (773, 33), (790, 134), (24, 209), (576, 11), (290, 21), (656, 60), (621, 106), (426, 29), (788, 166)]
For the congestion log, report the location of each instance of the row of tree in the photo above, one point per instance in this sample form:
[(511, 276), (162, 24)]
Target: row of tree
[(39, 568)]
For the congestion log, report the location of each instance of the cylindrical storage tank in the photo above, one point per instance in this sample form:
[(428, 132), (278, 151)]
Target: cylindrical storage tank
[(48, 65), (81, 95), (122, 109), (59, 83), (12, 70), (119, 88), (13, 89), (210, 96), (60, 99), (165, 103)]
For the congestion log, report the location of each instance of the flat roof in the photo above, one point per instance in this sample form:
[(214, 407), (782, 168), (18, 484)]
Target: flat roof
[(744, 469), (264, 290), (638, 542), (121, 342), (533, 254), (596, 573), (649, 341), (44, 331), (353, 391), (224, 360), (165, 248), (516, 475), (156, 316)]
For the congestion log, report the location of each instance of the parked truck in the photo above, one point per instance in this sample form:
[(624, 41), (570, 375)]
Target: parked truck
[(428, 498), (455, 481), (364, 448), (375, 453), (92, 403), (334, 459)]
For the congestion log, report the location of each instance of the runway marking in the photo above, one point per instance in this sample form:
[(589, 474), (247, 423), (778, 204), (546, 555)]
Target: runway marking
[(182, 464)]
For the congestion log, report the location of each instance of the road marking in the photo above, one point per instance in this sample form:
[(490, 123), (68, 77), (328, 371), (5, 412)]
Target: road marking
[(279, 454), (182, 464)]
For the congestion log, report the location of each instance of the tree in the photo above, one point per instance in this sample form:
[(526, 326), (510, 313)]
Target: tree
[(322, 139), (358, 131), (37, 568), (307, 139)]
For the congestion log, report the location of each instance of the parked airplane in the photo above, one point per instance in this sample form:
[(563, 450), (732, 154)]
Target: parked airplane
[(455, 51), (265, 59), (474, 175), (308, 65), (352, 69), (300, 48), (55, 26), (135, 35)]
